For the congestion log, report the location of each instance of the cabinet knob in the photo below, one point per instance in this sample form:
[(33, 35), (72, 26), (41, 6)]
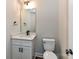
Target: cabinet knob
[(21, 50)]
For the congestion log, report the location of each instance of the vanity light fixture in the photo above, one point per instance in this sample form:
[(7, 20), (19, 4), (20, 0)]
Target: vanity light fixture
[(29, 4), (26, 2)]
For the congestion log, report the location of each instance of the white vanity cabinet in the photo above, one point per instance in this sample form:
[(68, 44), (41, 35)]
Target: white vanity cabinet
[(22, 49)]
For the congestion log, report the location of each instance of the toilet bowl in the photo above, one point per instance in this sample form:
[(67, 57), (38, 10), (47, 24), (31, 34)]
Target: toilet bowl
[(49, 45), (49, 55)]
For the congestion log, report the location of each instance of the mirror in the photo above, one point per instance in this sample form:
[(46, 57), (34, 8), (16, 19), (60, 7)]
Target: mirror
[(28, 20)]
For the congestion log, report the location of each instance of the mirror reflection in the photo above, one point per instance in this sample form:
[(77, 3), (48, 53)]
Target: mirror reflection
[(28, 20)]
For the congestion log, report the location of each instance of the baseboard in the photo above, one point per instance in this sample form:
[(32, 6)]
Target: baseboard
[(37, 54)]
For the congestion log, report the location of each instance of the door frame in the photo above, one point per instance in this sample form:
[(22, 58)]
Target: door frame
[(70, 27)]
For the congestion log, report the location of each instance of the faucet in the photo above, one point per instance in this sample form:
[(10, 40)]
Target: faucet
[(27, 32)]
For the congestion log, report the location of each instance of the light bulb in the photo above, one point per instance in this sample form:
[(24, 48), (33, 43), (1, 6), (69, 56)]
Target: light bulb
[(30, 5)]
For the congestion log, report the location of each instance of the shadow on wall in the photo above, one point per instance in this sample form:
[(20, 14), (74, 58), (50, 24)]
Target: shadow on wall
[(58, 50), (39, 44)]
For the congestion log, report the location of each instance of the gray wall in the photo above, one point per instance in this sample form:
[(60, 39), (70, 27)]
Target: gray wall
[(47, 21)]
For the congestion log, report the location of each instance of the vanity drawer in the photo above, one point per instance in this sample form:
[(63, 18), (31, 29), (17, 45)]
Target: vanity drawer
[(22, 43)]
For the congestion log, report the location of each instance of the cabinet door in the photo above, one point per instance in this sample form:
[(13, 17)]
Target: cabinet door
[(27, 53), (15, 52)]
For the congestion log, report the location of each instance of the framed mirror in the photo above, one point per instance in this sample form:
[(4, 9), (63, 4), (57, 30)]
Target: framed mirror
[(28, 20)]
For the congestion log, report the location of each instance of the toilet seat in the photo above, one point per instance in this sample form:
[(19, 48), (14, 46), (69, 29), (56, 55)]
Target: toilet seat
[(49, 55)]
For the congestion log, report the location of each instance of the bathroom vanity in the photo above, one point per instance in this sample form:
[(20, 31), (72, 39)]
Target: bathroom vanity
[(22, 46)]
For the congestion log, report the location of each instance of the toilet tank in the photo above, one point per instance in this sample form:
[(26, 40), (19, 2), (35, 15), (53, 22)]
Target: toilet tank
[(49, 44)]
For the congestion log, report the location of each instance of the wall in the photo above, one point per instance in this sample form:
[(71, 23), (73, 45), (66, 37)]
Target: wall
[(12, 14), (70, 23), (63, 27), (52, 21), (47, 21), (70, 26)]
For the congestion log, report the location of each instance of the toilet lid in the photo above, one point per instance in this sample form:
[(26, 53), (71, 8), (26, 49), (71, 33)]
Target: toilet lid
[(49, 55)]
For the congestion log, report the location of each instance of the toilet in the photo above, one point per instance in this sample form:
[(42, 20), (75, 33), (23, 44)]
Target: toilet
[(49, 46)]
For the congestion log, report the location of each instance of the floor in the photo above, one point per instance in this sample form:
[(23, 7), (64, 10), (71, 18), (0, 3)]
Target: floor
[(38, 58)]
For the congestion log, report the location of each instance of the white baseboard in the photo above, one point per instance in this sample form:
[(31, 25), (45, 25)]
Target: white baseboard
[(37, 54)]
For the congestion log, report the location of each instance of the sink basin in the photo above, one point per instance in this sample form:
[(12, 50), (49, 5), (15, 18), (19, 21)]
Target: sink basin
[(23, 36)]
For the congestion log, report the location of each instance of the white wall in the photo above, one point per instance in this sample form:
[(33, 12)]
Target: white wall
[(52, 21), (47, 21), (12, 13), (63, 27), (70, 26), (70, 23)]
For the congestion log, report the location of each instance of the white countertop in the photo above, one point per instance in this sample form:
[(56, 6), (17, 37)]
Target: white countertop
[(23, 36)]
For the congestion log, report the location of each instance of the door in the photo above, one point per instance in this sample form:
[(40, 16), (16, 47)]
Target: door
[(70, 27), (16, 52), (27, 53)]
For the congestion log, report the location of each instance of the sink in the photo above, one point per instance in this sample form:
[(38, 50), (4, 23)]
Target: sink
[(23, 36)]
